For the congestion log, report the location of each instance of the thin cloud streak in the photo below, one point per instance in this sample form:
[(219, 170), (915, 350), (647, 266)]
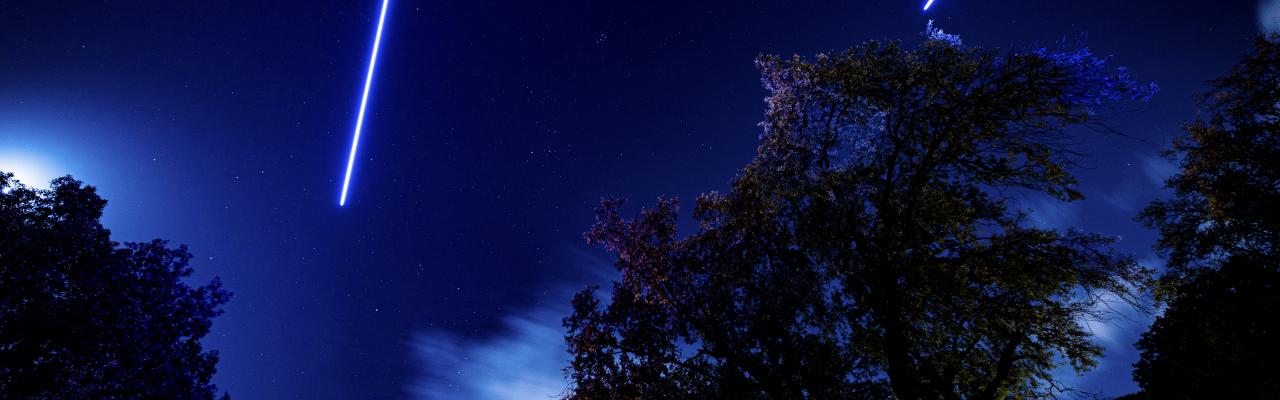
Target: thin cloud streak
[(522, 362)]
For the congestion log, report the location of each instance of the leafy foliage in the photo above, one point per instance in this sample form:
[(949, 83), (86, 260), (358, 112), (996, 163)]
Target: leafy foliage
[(1230, 165), (870, 249), (1221, 233), (1218, 338), (83, 317)]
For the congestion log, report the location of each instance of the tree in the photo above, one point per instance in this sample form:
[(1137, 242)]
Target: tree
[(83, 317), (871, 249), (1219, 336)]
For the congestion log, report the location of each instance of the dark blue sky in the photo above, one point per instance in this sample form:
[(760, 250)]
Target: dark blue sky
[(493, 128)]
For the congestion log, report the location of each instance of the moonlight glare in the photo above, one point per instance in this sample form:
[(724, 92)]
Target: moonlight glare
[(1269, 16), (28, 169)]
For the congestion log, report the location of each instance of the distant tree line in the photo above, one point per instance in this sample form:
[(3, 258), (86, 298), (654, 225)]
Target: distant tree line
[(874, 249)]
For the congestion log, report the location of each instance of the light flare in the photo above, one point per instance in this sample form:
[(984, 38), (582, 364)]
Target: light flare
[(364, 100), (927, 4)]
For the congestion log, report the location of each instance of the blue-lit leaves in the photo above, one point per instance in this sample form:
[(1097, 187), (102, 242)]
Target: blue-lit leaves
[(934, 33), (1098, 82)]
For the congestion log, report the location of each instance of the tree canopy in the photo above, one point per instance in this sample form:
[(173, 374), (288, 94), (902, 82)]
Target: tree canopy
[(873, 248), (84, 317), (1219, 336)]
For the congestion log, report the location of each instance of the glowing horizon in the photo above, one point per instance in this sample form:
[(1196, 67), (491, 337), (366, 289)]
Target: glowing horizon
[(364, 100)]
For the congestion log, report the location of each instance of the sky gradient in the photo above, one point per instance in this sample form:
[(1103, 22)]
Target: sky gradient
[(492, 130)]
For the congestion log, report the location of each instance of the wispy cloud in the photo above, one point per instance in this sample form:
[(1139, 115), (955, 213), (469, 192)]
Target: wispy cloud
[(1137, 187), (1048, 212), (1116, 326), (523, 361), (1158, 169)]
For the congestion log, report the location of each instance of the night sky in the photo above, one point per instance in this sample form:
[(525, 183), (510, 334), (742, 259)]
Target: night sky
[(493, 129)]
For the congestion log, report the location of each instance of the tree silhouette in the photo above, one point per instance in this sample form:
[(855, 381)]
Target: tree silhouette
[(1219, 337), (83, 317), (870, 249)]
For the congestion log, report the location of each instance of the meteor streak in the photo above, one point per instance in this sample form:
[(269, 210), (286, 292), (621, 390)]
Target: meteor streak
[(364, 99), (927, 4)]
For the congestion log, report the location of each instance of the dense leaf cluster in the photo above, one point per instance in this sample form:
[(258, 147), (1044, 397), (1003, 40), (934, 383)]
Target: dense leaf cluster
[(1220, 336), (83, 317), (872, 249)]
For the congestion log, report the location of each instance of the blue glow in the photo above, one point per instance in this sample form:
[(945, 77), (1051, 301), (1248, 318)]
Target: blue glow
[(927, 4), (28, 167), (364, 99)]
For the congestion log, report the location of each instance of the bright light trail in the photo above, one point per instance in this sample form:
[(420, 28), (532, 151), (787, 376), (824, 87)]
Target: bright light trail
[(927, 4), (364, 99)]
